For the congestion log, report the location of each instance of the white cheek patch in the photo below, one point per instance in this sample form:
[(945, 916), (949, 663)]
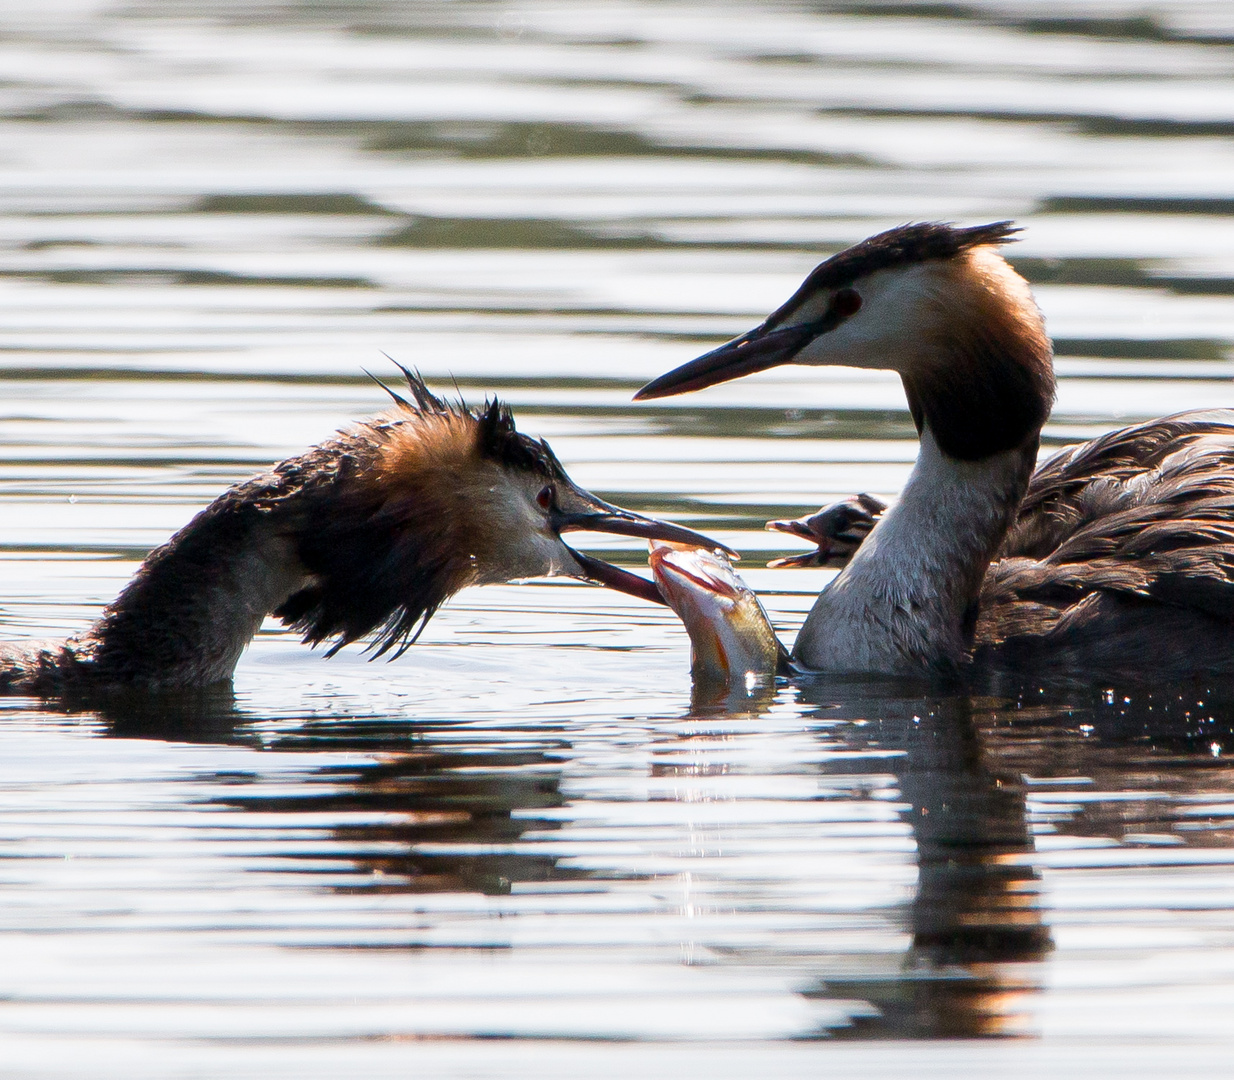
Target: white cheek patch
[(810, 310), (897, 308)]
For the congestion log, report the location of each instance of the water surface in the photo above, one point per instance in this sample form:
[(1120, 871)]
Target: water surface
[(523, 848)]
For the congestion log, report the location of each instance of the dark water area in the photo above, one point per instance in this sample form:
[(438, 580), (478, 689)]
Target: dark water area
[(528, 847)]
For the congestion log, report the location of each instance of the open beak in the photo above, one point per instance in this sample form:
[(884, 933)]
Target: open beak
[(766, 346), (584, 512)]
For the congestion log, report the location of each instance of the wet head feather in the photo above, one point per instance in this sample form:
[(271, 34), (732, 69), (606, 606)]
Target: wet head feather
[(499, 441), (389, 516)]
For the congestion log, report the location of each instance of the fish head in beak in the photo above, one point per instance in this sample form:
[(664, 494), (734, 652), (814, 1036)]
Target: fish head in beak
[(573, 509)]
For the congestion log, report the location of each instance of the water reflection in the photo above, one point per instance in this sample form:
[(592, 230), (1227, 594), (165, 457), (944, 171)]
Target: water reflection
[(442, 807), (976, 925), (718, 697), (201, 716), (873, 849), (470, 812), (449, 815)]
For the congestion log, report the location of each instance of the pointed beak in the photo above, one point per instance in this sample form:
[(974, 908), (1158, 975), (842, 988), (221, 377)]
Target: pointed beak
[(766, 346), (587, 513)]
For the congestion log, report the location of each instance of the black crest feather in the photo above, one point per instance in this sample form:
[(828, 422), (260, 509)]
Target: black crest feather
[(397, 398), (501, 441), (425, 398), (904, 246)]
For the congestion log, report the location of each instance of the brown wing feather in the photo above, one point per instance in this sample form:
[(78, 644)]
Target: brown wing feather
[(1122, 555)]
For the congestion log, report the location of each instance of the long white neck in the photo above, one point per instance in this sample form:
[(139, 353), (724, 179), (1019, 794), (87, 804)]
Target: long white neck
[(904, 604)]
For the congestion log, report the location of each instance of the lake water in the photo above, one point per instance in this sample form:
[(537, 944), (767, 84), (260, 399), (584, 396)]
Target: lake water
[(522, 849)]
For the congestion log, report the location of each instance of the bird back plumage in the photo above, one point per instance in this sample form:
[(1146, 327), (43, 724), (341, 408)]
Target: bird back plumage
[(1122, 555)]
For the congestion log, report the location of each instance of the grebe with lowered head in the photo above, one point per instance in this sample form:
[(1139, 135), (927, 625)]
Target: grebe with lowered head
[(368, 533), (1115, 557)]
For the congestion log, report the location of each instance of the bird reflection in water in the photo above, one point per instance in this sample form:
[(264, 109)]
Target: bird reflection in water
[(462, 815), (974, 919), (452, 808), (977, 930)]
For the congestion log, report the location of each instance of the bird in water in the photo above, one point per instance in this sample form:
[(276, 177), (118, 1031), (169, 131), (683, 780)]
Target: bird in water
[(368, 533), (1115, 557)]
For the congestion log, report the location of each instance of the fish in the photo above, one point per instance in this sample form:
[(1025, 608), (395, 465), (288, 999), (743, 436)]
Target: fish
[(731, 639)]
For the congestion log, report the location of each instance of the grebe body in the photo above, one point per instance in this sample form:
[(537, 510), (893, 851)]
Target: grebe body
[(1115, 557), (365, 535)]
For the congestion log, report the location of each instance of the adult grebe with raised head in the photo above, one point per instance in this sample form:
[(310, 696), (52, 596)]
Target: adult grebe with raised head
[(368, 533), (1116, 556)]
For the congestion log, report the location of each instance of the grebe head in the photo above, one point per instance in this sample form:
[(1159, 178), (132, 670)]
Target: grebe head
[(431, 497), (935, 303)]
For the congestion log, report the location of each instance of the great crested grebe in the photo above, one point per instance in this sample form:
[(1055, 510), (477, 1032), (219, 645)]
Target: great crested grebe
[(368, 533), (1116, 556)]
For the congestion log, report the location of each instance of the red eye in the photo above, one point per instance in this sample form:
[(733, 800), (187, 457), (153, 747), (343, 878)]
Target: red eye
[(545, 499), (846, 302)]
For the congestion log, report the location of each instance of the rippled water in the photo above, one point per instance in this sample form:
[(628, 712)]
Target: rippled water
[(521, 849)]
